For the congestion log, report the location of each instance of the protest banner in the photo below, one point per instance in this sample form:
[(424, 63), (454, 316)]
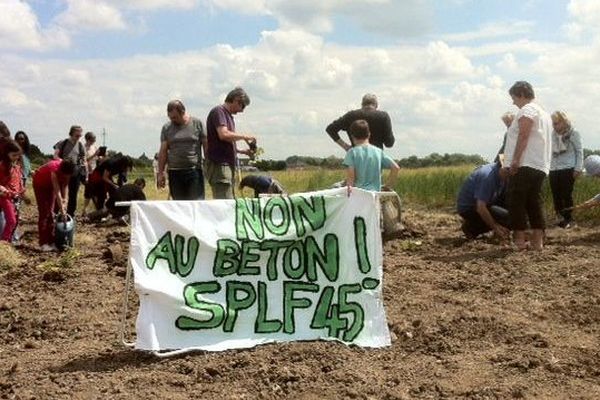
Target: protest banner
[(223, 274)]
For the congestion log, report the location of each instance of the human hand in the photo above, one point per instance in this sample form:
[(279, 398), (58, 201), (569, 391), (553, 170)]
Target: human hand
[(514, 167), (161, 180), (501, 231)]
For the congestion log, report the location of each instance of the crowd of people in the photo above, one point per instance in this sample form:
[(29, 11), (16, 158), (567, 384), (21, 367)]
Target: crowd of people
[(56, 183), (503, 197), (506, 195)]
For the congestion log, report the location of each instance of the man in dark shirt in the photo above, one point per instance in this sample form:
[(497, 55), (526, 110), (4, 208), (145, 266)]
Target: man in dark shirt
[(221, 155), (379, 122)]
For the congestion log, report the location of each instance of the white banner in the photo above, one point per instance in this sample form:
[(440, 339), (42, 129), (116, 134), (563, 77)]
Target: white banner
[(224, 274)]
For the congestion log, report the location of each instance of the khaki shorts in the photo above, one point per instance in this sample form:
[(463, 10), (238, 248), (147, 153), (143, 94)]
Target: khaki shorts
[(220, 179)]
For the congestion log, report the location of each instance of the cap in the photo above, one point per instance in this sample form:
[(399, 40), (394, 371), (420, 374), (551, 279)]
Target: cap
[(592, 165)]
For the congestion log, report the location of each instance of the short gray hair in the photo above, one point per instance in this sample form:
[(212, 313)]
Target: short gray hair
[(176, 105), (369, 99)]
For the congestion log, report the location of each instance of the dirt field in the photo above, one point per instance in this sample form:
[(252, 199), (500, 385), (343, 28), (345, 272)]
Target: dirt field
[(469, 320)]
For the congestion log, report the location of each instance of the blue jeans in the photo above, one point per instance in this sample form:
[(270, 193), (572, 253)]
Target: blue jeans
[(186, 184)]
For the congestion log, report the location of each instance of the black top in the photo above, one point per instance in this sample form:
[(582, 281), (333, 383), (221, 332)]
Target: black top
[(379, 122), (127, 192), (110, 164)]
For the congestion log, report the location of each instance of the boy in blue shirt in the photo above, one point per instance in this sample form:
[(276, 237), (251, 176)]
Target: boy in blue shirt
[(365, 161)]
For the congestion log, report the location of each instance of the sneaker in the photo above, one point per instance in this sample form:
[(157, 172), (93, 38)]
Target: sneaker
[(569, 225), (47, 247)]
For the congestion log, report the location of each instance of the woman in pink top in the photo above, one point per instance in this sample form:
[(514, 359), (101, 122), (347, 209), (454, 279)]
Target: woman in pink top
[(50, 185), (11, 187)]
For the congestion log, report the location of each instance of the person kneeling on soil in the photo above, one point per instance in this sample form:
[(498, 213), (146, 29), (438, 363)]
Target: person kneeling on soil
[(128, 192), (261, 184), (480, 205)]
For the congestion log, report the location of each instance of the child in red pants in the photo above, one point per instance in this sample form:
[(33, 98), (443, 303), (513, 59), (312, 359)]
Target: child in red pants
[(11, 187), (50, 185)]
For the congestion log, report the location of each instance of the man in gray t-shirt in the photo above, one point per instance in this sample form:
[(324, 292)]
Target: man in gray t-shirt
[(72, 149), (181, 143)]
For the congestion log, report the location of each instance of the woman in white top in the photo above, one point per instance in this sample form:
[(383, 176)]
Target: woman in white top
[(528, 152)]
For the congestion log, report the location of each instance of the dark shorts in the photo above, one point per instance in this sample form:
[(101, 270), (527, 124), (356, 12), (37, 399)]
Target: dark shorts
[(525, 199)]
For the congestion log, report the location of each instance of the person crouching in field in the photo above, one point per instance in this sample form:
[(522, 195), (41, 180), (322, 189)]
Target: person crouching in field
[(126, 193), (261, 184), (101, 181), (480, 205), (364, 161), (11, 187), (50, 185)]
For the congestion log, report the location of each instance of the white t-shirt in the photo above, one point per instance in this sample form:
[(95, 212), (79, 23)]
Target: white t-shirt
[(89, 152), (538, 153)]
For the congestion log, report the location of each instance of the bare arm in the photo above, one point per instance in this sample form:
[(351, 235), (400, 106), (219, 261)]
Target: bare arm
[(485, 215), (228, 136), (61, 194), (162, 163), (525, 125), (350, 178), (393, 177), (107, 178)]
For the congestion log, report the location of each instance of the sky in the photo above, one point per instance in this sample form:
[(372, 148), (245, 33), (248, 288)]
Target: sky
[(440, 68)]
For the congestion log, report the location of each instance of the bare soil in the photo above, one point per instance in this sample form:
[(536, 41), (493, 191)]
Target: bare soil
[(470, 320)]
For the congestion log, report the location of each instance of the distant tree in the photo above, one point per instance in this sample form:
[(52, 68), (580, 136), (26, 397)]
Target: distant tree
[(36, 156), (438, 160), (587, 152)]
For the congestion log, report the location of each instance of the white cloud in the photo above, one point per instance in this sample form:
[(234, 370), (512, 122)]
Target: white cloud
[(492, 31), (585, 17), (155, 4), (508, 63), (443, 60), (388, 17), (90, 15), (20, 29)]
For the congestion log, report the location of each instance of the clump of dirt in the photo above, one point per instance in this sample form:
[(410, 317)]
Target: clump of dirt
[(469, 319)]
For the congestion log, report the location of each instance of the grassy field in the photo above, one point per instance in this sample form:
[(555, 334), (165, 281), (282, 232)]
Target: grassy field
[(435, 187)]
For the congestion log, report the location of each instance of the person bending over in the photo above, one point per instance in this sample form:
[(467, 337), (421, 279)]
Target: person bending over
[(479, 204), (261, 184)]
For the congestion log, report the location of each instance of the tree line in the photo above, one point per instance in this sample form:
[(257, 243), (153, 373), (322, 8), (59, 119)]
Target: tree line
[(331, 162)]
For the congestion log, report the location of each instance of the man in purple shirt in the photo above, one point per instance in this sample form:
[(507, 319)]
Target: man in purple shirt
[(222, 152)]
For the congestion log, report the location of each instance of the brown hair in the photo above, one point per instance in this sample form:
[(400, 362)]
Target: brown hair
[(359, 129)]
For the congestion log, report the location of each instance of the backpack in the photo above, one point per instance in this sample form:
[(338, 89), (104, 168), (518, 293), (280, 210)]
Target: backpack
[(80, 158)]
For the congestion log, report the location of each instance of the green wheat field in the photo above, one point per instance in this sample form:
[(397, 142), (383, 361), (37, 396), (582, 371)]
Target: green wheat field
[(422, 188)]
